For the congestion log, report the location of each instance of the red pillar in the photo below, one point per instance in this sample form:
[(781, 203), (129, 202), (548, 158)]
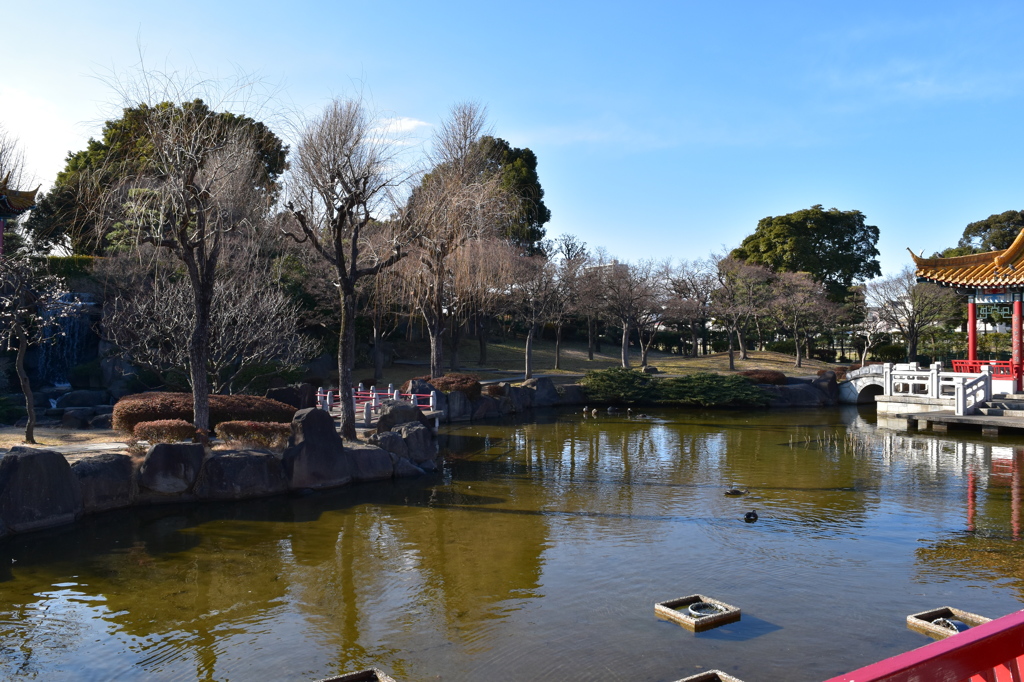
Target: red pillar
[(1018, 355), (972, 329)]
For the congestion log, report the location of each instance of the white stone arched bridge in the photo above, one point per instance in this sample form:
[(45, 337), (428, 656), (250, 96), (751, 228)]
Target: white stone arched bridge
[(862, 385)]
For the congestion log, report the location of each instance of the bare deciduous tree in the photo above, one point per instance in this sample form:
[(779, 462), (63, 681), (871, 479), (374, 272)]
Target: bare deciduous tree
[(534, 292), (199, 182), (572, 259), (692, 283), (457, 201), (742, 291), (904, 304), (30, 304), (797, 300), (253, 330), (346, 173)]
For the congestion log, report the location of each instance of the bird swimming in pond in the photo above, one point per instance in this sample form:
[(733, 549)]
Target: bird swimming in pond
[(750, 516), (736, 491), (593, 413)]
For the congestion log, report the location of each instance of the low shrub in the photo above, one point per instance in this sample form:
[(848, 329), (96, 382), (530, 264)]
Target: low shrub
[(710, 390), (248, 434), (630, 387), (164, 431), (144, 407), (618, 386), (467, 383), (765, 376)]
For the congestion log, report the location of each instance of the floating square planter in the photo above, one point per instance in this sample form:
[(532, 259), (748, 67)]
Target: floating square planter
[(943, 622), (711, 676), (697, 612), (371, 675)]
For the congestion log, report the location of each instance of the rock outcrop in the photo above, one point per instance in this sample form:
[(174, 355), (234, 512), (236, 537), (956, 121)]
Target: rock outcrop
[(241, 474), (37, 490), (315, 457), (171, 468), (106, 481)]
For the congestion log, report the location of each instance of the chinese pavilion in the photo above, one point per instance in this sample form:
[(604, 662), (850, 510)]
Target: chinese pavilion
[(994, 284), (12, 204)]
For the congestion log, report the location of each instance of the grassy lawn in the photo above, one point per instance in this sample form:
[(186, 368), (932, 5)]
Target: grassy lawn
[(506, 359)]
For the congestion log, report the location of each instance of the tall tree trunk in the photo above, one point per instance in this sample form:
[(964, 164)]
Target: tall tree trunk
[(732, 360), (529, 352), (347, 360), (558, 346), (742, 341), (590, 337), (378, 350), (482, 333), (796, 343), (695, 339), (625, 345), (456, 338), (26, 387), (198, 351)]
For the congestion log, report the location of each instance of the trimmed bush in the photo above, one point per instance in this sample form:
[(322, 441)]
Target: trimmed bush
[(144, 407), (840, 372), (765, 376), (618, 386), (467, 383), (629, 387), (494, 390), (710, 390), (164, 431), (248, 434)]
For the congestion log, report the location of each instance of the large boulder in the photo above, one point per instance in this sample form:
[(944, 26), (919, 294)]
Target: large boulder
[(420, 443), (486, 407), (797, 394), (369, 462), (171, 468), (826, 383), (572, 394), (101, 421), (37, 490), (84, 398), (299, 396), (394, 412), (240, 474), (505, 405), (105, 480), (77, 417), (421, 387), (544, 392), (315, 457), (392, 442), (460, 409)]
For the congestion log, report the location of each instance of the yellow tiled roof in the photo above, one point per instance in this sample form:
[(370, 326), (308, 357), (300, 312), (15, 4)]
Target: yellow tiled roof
[(17, 200), (990, 269)]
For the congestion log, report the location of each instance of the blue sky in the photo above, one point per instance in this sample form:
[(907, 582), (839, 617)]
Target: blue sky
[(662, 129)]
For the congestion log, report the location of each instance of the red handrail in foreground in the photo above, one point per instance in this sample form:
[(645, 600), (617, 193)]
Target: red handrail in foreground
[(990, 652), (999, 367)]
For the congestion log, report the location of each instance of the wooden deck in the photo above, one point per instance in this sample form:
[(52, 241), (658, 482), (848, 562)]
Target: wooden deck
[(942, 420)]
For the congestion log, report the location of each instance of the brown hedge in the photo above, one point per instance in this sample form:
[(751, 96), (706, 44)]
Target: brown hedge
[(164, 431), (467, 383), (270, 435), (765, 376), (147, 407)]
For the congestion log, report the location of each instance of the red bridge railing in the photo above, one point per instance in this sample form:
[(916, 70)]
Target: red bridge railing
[(990, 652), (1000, 368)]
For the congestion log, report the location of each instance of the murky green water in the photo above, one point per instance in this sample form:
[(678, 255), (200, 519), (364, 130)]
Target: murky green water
[(539, 555)]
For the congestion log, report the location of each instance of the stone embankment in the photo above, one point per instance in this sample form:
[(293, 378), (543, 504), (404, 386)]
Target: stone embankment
[(502, 399), (815, 391), (39, 489)]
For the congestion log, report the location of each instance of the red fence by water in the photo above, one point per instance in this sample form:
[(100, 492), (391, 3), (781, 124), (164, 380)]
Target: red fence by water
[(990, 652)]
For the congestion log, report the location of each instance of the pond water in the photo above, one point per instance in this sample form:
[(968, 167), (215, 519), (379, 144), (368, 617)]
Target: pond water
[(538, 554)]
